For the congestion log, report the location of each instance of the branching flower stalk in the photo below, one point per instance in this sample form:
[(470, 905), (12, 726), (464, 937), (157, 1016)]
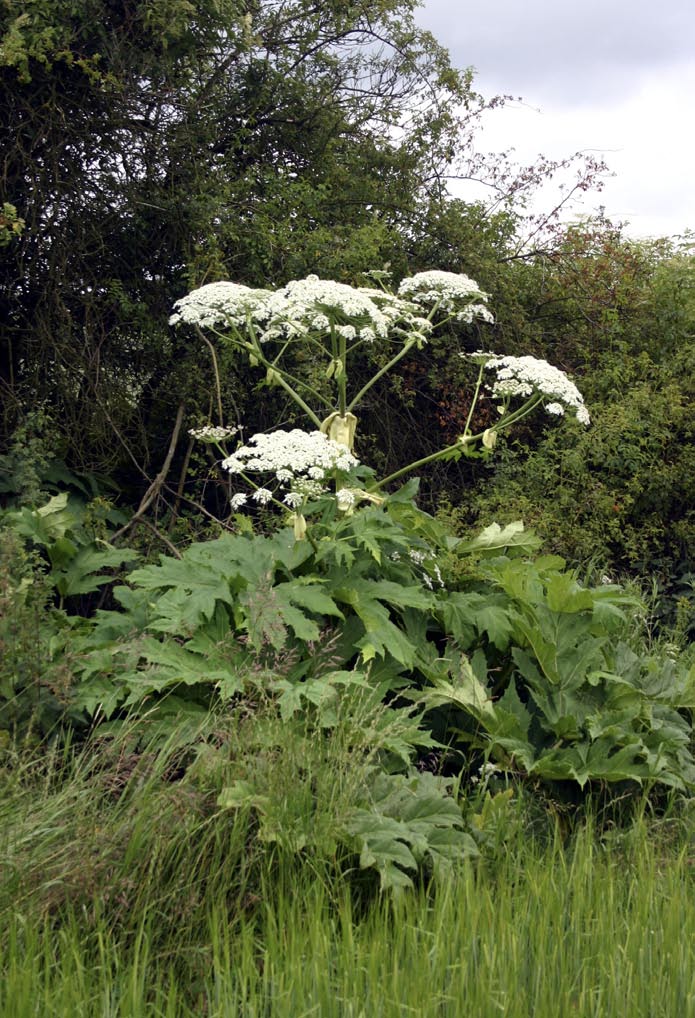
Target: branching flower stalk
[(336, 319)]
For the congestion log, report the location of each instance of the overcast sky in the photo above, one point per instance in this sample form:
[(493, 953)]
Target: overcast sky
[(612, 77)]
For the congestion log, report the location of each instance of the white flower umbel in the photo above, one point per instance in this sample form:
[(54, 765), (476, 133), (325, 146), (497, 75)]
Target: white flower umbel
[(345, 499), (293, 499), (453, 293), (262, 496), (222, 304), (317, 305), (291, 454), (523, 376), (212, 433)]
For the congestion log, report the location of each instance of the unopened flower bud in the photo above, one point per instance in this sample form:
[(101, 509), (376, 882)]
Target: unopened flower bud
[(299, 525)]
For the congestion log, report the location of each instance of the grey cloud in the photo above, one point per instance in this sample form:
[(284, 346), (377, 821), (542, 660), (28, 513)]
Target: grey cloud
[(574, 54)]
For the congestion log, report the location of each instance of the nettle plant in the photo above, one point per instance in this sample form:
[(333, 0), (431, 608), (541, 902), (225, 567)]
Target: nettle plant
[(472, 655)]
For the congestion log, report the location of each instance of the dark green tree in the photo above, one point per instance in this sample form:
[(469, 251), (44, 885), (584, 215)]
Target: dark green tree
[(153, 146)]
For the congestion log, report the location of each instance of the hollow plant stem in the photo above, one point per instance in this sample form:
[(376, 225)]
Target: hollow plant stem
[(382, 371)]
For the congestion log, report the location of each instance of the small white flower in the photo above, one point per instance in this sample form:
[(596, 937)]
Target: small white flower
[(284, 475), (295, 452), (212, 433), (316, 304), (307, 305), (238, 500), (345, 499), (293, 499), (555, 408), (309, 489), (262, 496)]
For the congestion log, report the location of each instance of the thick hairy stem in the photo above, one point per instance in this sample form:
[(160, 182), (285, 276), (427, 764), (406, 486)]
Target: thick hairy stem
[(342, 377), (475, 399), (298, 400)]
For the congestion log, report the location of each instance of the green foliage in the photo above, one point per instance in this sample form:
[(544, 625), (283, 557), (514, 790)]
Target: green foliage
[(76, 550), (513, 657), (241, 603), (124, 887), (11, 225), (409, 822), (52, 557), (554, 690), (615, 498), (33, 693), (315, 784), (618, 497)]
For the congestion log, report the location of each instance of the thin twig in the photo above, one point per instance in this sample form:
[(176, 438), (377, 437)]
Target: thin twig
[(162, 537), (180, 487), (201, 508), (159, 480)]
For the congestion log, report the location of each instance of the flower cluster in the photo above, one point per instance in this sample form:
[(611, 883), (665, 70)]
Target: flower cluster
[(221, 303), (523, 376), (303, 305), (486, 771), (317, 305), (453, 293), (300, 461), (425, 563), (212, 433), (288, 453)]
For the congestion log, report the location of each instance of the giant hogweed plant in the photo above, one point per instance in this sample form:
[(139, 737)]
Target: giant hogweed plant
[(332, 323), (478, 650)]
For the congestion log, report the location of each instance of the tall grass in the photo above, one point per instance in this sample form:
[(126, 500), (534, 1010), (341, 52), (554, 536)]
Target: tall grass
[(123, 894), (548, 932)]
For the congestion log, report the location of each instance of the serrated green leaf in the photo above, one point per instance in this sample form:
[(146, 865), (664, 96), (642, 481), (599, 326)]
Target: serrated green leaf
[(412, 820), (98, 694), (565, 594), (457, 613), (512, 717), (496, 622), (310, 595), (80, 574), (513, 535), (464, 690)]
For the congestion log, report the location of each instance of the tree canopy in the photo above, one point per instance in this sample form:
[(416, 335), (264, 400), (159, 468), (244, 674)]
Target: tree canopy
[(151, 146)]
